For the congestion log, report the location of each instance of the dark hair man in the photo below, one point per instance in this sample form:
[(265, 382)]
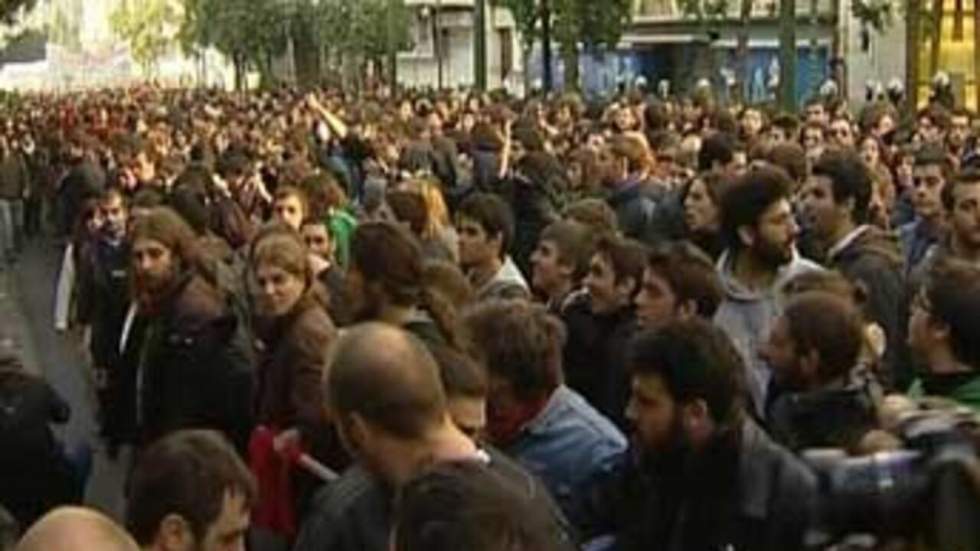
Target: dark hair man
[(195, 367), (103, 301), (930, 173), (385, 395), (532, 416), (594, 368), (486, 230), (961, 199), (835, 207), (190, 490), (679, 282), (560, 261), (465, 383), (814, 351), (760, 231), (944, 331), (465, 505), (700, 474)]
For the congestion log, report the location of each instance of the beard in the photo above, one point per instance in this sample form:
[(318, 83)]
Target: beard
[(773, 254), (150, 290)]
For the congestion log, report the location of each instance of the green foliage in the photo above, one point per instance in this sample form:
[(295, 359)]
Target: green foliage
[(362, 28), (575, 21), (149, 26), (11, 9), (706, 10), (249, 30), (876, 14)]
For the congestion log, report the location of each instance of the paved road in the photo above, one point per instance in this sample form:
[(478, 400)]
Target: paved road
[(26, 306)]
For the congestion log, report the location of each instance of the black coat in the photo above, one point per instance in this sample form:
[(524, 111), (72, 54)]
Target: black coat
[(196, 365), (35, 475)]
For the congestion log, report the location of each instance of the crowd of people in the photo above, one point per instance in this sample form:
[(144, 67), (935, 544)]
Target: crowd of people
[(447, 320)]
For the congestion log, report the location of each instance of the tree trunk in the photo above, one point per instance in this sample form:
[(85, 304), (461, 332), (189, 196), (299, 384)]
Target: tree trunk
[(742, 49), (937, 32), (548, 80), (976, 51), (913, 32), (305, 53), (787, 55), (570, 57)]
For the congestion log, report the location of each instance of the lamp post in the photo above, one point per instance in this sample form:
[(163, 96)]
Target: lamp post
[(437, 41)]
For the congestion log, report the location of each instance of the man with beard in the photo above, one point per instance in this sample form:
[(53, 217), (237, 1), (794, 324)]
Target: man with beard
[(195, 368), (930, 174), (700, 474), (814, 350), (835, 207), (760, 233), (103, 303)]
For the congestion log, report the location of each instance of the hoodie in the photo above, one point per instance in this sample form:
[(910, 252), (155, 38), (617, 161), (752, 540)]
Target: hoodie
[(747, 316)]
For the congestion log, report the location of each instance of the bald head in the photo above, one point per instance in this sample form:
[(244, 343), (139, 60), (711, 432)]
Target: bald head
[(76, 528), (388, 377)]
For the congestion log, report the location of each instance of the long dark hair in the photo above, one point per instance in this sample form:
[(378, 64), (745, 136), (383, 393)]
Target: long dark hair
[(387, 254)]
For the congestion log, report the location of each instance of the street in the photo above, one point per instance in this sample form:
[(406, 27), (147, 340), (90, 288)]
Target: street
[(26, 306)]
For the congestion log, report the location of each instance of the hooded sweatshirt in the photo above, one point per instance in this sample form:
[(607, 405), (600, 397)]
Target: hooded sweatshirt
[(747, 316)]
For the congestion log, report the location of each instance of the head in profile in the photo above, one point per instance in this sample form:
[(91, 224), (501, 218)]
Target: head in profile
[(466, 505), (74, 528)]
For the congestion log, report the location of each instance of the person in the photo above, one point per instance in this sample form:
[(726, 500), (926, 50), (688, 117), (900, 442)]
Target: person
[(383, 388), (36, 473), (532, 416), (293, 333), (679, 282), (814, 351), (190, 490), (702, 214), (930, 173), (559, 262), (760, 233), (290, 206), (485, 226), (595, 366), (103, 289), (13, 184), (465, 383), (943, 333), (465, 505), (195, 367), (76, 528), (961, 200), (835, 206), (386, 282), (322, 247), (700, 473), (626, 165)]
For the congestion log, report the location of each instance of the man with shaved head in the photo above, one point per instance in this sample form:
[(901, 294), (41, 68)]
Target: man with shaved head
[(76, 528), (384, 393)]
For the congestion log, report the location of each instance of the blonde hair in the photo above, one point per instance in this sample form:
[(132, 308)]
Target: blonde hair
[(435, 206)]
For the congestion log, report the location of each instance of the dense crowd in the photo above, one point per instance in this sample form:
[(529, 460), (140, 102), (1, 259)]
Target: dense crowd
[(448, 320)]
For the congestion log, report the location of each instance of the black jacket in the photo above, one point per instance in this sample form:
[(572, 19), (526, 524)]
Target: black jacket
[(746, 493), (635, 212), (354, 512), (196, 365), (35, 476)]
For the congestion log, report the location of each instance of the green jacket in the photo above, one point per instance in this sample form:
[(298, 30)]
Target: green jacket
[(342, 225), (963, 388)]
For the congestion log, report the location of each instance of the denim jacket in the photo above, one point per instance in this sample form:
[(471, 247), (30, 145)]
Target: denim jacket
[(569, 445)]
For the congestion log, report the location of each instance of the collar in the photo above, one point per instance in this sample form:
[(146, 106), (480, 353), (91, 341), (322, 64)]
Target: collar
[(553, 410), (847, 240)]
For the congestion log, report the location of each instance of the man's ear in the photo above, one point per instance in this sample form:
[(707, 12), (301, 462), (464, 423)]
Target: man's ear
[(696, 420), (174, 534), (627, 287)]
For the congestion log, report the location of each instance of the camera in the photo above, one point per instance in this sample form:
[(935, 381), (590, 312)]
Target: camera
[(927, 492)]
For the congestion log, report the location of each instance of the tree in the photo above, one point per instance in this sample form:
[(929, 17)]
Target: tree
[(577, 24), (149, 27), (10, 10)]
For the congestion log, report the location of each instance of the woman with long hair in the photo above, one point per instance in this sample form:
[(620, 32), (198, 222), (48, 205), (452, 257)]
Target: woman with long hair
[(293, 333), (386, 282)]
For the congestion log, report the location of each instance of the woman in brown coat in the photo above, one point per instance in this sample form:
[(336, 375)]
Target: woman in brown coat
[(293, 334)]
